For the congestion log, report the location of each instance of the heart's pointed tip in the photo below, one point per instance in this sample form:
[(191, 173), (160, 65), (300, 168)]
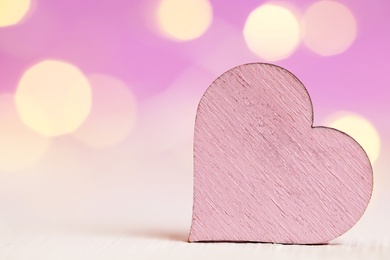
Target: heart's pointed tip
[(198, 235), (191, 240), (191, 237)]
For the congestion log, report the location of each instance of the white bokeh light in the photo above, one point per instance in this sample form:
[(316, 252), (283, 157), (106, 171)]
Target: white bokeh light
[(184, 20), (20, 147), (112, 114), (53, 97), (328, 28), (358, 127), (272, 32), (13, 11)]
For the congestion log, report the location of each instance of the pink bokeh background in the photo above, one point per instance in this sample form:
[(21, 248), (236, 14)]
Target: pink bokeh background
[(143, 183)]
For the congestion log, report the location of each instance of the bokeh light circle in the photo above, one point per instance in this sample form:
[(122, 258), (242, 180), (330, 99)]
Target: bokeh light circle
[(53, 97), (272, 32), (20, 147), (328, 28), (112, 114), (362, 130), (184, 20), (13, 11)]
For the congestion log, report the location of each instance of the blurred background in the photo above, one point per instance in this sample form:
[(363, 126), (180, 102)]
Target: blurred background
[(98, 100)]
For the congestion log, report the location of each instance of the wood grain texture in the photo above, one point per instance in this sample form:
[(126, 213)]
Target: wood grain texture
[(263, 173)]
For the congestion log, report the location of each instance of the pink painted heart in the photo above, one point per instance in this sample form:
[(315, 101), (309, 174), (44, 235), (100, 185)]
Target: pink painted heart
[(263, 173)]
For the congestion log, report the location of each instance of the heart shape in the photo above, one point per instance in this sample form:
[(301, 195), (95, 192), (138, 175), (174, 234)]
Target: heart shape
[(263, 173)]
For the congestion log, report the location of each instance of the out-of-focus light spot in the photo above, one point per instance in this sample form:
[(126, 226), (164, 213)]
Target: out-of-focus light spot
[(13, 11), (20, 147), (112, 114), (167, 119), (362, 130), (328, 28), (53, 98), (272, 32), (184, 20)]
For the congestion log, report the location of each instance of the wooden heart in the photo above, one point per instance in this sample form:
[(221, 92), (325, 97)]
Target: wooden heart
[(263, 173)]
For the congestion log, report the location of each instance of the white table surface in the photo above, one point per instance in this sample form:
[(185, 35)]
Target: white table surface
[(130, 245), (112, 209)]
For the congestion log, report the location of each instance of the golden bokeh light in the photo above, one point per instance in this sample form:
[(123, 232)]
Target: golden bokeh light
[(328, 28), (53, 98), (112, 114), (184, 20), (362, 130), (20, 147), (272, 32), (13, 11)]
